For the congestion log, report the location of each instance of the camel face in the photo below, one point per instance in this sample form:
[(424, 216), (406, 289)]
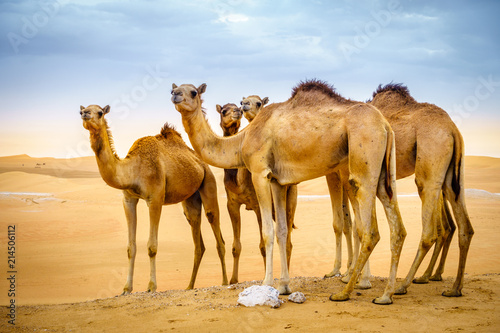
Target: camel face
[(186, 97), (251, 106), (93, 116), (230, 114)]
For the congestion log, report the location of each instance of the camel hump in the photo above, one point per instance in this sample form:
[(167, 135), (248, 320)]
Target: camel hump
[(316, 85), (168, 131), (397, 88)]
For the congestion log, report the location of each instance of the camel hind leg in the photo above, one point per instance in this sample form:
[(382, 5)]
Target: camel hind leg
[(465, 230), (233, 208), (208, 192), (192, 211), (445, 234), (291, 205)]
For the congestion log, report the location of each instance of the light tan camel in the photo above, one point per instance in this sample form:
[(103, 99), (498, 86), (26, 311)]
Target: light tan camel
[(240, 190), (310, 135), (161, 170), (430, 145), (251, 106)]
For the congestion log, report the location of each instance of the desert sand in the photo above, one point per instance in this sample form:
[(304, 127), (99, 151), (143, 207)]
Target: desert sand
[(71, 261)]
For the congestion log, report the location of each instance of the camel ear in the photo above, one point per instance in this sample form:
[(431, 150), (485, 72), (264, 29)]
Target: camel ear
[(106, 109), (174, 86), (218, 108), (82, 108), (265, 100), (202, 88)]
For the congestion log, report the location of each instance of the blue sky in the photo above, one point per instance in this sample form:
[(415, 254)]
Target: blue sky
[(58, 55)]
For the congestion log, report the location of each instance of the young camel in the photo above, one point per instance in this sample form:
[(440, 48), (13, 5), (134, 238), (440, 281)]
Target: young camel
[(240, 191), (161, 170), (310, 135)]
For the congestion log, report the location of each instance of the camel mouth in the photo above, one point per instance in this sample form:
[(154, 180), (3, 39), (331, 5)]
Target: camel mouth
[(86, 116), (246, 108), (176, 99)]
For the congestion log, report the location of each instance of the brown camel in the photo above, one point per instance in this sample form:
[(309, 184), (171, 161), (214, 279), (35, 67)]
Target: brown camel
[(430, 145), (161, 170), (240, 191), (312, 134), (251, 106)]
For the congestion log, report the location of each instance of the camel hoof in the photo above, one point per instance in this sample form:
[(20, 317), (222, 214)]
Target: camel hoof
[(401, 291), (363, 285), (340, 297), (332, 274), (151, 287), (284, 290), (125, 293), (452, 293), (384, 300), (421, 280), (233, 281), (436, 277), (346, 278)]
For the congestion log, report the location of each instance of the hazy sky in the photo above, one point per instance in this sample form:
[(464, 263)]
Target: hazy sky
[(58, 55)]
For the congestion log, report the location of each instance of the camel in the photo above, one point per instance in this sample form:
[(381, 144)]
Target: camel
[(240, 190), (430, 145), (424, 133), (312, 134), (161, 170), (251, 106)]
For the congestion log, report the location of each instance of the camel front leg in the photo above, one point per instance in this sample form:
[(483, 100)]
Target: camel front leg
[(130, 207), (263, 190), (192, 212), (336, 198), (208, 192), (234, 213), (279, 198), (154, 222), (291, 205)]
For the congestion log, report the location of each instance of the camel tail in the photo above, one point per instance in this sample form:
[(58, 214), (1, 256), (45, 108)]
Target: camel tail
[(458, 153), (389, 169)]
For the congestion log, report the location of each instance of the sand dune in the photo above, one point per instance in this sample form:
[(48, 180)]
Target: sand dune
[(71, 247)]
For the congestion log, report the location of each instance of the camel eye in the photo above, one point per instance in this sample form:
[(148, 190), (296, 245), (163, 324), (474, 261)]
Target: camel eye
[(259, 104), (171, 92), (100, 113), (194, 93), (224, 112), (241, 102)]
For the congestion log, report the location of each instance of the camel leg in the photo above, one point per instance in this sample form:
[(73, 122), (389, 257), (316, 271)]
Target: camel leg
[(347, 226), (465, 230), (431, 214), (155, 207), (364, 280), (291, 205), (192, 211), (365, 220), (263, 190), (336, 198), (279, 198), (208, 192), (449, 231), (443, 233), (397, 232), (130, 206), (233, 208), (262, 245)]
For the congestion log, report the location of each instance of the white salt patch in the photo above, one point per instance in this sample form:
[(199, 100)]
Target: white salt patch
[(297, 297), (260, 295)]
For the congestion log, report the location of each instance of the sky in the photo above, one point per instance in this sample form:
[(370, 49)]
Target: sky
[(56, 55)]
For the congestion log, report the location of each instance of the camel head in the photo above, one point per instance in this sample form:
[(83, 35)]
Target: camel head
[(93, 116), (251, 106), (230, 116), (187, 98)]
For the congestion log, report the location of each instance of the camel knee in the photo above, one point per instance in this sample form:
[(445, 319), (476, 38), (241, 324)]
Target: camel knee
[(152, 250), (210, 217), (236, 249), (131, 251)]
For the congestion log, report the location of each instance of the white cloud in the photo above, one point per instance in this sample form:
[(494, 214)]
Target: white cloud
[(232, 18)]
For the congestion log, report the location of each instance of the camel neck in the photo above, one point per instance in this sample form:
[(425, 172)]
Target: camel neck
[(109, 164), (222, 152)]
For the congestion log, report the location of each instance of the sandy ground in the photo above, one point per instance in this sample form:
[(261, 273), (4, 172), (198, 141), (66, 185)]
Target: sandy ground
[(71, 261)]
